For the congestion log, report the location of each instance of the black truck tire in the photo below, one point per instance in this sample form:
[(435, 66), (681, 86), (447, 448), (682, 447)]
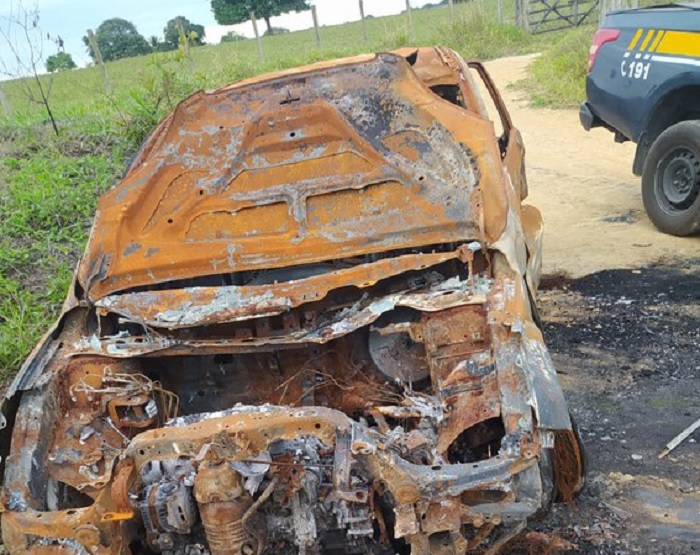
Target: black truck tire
[(671, 179)]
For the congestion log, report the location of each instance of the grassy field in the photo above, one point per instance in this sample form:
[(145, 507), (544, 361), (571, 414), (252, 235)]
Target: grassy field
[(475, 33), (49, 185)]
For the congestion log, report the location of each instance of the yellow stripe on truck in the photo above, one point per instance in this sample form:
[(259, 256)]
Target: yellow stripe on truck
[(635, 39), (680, 43), (657, 40), (650, 34)]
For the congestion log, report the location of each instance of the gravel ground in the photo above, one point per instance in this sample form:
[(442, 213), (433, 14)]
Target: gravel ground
[(626, 343)]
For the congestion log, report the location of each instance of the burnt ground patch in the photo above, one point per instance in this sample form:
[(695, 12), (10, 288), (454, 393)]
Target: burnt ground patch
[(649, 313), (627, 346)]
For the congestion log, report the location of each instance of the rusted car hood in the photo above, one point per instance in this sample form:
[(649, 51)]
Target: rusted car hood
[(295, 170)]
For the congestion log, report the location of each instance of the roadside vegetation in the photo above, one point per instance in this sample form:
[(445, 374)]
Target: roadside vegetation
[(475, 33), (557, 78), (49, 184)]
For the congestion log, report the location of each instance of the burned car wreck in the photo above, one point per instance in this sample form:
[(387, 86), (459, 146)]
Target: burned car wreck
[(304, 323)]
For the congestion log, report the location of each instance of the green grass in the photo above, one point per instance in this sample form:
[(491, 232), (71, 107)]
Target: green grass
[(475, 34), (557, 79), (47, 201), (49, 185)]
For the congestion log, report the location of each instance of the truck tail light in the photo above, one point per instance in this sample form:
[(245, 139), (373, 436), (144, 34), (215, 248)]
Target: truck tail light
[(599, 39)]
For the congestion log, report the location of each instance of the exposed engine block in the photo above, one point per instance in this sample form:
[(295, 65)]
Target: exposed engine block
[(186, 505)]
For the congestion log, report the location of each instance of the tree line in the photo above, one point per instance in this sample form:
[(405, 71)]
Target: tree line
[(22, 40), (118, 38), (231, 12)]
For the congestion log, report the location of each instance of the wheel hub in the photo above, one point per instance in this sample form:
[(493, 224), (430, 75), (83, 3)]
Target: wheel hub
[(680, 178)]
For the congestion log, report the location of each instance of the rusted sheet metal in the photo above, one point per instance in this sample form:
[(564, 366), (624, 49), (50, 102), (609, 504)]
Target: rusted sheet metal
[(442, 296), (302, 325), (365, 146), (198, 306), (475, 391)]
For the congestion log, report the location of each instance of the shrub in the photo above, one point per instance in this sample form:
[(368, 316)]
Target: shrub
[(232, 36), (478, 35), (557, 79), (60, 61), (275, 31)]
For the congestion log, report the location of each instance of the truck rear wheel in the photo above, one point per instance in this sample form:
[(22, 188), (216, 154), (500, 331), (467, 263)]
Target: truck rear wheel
[(671, 179)]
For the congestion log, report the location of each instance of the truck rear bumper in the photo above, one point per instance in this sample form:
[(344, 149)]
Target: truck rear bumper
[(588, 119)]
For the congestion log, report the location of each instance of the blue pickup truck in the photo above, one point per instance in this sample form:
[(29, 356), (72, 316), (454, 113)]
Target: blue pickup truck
[(643, 84)]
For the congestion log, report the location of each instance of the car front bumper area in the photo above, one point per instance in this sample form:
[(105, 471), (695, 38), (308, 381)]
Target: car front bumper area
[(251, 445), (463, 465)]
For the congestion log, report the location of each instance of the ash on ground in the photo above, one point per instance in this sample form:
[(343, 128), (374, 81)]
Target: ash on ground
[(627, 346)]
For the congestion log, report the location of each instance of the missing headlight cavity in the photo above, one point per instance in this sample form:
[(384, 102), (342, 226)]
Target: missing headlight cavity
[(480, 442), (396, 351)]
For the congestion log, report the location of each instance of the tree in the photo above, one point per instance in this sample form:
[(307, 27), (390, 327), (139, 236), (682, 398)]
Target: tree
[(171, 33), (118, 38), (230, 12), (24, 46), (60, 61), (157, 45)]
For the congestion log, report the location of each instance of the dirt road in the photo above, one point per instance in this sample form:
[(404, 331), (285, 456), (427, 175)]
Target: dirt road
[(624, 332), (584, 186)]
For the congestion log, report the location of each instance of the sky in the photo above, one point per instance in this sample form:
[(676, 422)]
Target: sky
[(69, 19)]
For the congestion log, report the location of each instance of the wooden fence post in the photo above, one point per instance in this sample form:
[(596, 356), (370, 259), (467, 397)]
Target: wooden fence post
[(98, 59), (5, 102), (499, 9), (364, 23), (318, 33), (261, 54), (526, 15), (409, 18), (452, 12)]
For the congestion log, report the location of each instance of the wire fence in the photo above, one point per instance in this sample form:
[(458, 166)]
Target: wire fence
[(478, 28), (533, 16)]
